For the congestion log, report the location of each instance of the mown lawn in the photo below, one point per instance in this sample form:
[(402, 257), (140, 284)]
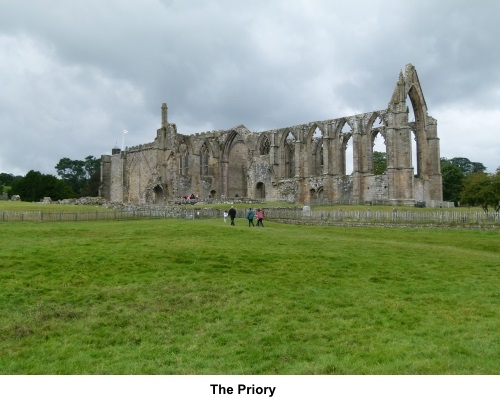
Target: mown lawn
[(202, 297)]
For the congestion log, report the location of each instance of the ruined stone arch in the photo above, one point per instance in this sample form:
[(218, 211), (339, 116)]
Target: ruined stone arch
[(314, 150), (287, 147), (204, 159), (235, 164), (419, 111), (372, 132), (408, 86), (184, 151), (343, 134), (427, 183)]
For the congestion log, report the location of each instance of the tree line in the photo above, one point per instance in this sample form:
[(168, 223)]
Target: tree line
[(76, 178), (467, 183)]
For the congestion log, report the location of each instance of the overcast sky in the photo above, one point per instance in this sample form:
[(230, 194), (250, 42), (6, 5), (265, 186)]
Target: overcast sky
[(74, 74)]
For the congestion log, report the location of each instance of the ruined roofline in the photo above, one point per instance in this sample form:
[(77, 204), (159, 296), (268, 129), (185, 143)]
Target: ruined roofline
[(408, 79), (348, 118)]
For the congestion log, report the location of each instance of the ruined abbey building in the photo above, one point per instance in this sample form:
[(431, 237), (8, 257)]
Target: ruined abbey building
[(301, 163)]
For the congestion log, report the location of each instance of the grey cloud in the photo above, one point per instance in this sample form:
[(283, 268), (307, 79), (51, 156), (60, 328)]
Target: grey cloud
[(85, 70)]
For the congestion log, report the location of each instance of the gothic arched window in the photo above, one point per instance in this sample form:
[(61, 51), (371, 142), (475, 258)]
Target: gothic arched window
[(290, 155), (204, 158), (184, 159)]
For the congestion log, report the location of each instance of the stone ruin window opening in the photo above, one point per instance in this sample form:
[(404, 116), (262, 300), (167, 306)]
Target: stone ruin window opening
[(183, 159), (265, 146), (204, 159), (379, 148), (413, 137), (347, 150), (317, 152), (289, 155)]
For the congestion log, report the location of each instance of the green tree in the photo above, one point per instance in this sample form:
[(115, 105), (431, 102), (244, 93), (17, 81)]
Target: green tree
[(7, 179), (453, 178), (78, 173), (467, 166), (379, 162), (35, 186), (482, 189)]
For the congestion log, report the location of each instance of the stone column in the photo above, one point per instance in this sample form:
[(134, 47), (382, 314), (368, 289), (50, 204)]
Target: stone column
[(164, 115), (434, 161), (357, 153), (399, 168)]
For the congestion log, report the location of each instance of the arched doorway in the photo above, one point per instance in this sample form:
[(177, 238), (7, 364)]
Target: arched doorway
[(159, 194), (237, 170), (260, 191)]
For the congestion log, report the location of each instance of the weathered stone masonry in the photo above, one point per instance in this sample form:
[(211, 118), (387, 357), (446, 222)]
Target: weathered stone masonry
[(301, 163)]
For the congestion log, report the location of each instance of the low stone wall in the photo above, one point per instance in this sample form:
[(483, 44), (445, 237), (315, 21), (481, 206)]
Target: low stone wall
[(484, 227)]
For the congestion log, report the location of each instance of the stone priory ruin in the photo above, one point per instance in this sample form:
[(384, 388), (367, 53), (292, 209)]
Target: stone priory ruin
[(303, 163)]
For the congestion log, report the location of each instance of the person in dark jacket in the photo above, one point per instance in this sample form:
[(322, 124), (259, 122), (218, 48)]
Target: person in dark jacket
[(250, 215), (232, 214)]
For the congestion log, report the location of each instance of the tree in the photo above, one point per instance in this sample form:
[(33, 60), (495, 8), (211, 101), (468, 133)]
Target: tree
[(77, 173), (7, 179), (453, 178), (467, 166), (482, 189), (35, 186), (379, 162), (453, 172)]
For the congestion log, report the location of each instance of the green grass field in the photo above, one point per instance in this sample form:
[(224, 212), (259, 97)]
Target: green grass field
[(202, 297)]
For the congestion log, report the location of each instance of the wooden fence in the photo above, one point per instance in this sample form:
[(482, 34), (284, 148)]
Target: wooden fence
[(332, 216)]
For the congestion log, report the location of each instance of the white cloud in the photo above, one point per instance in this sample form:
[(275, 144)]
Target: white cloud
[(470, 133)]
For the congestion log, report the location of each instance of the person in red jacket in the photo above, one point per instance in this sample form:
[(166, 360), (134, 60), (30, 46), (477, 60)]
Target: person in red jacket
[(260, 217)]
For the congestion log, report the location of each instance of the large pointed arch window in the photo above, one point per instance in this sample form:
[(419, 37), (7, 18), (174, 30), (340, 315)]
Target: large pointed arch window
[(204, 158), (379, 149), (347, 149), (290, 155), (317, 152)]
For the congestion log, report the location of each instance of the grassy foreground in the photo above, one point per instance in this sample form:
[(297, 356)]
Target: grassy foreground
[(202, 297)]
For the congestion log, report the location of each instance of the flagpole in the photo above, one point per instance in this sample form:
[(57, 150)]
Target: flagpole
[(123, 139)]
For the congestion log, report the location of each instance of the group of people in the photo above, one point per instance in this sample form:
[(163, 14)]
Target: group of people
[(251, 214)]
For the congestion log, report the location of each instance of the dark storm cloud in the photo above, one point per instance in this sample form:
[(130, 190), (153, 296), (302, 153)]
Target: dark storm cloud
[(76, 74)]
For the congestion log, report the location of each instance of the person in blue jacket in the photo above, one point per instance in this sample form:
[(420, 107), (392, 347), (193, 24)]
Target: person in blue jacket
[(250, 215)]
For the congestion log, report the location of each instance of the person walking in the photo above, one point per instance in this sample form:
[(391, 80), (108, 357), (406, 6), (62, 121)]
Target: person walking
[(260, 217), (225, 216), (250, 216), (232, 214)]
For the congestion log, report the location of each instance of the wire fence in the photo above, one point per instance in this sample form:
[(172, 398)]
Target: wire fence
[(400, 216)]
